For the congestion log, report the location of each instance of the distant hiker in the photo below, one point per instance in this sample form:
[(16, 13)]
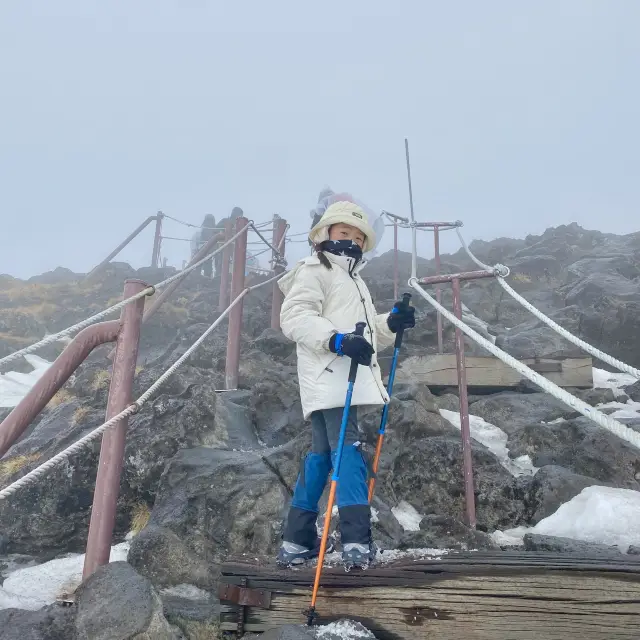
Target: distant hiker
[(200, 238), (206, 233), (324, 299), (236, 212)]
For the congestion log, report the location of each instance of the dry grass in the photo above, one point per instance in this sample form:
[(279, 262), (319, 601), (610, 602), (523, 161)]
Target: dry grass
[(522, 277), (40, 310), (17, 340), (11, 466), (173, 314), (100, 380), (79, 415), (61, 396), (140, 515), (139, 368)]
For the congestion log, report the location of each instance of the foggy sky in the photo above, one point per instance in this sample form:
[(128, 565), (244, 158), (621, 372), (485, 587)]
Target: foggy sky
[(520, 116)]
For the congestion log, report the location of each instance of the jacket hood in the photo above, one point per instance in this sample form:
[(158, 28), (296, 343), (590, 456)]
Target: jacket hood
[(347, 213)]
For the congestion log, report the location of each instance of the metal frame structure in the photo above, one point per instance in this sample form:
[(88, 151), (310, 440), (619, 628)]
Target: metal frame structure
[(126, 333), (455, 279)]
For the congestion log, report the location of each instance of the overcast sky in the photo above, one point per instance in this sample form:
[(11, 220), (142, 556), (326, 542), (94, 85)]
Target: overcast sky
[(520, 116)]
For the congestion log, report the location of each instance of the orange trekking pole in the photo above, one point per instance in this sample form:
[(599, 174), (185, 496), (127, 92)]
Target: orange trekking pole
[(311, 613), (385, 412)]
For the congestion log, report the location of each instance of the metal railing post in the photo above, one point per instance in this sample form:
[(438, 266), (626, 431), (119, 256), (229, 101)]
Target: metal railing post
[(235, 317), (436, 246), (279, 229), (157, 240), (223, 299), (107, 486), (120, 247), (395, 259), (15, 424), (467, 465)]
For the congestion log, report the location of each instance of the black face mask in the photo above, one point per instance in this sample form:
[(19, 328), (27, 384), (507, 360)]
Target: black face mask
[(342, 248)]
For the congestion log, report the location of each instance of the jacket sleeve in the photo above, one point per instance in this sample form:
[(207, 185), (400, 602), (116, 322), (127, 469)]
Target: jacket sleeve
[(384, 336), (301, 315)]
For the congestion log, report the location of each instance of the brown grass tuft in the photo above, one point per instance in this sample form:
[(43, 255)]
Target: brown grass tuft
[(61, 396), (79, 415), (140, 515), (10, 466), (100, 380)]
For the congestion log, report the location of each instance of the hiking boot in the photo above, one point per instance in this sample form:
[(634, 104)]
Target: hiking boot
[(291, 554), (358, 556)]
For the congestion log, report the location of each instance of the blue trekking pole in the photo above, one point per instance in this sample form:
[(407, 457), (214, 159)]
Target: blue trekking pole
[(311, 613), (385, 412)]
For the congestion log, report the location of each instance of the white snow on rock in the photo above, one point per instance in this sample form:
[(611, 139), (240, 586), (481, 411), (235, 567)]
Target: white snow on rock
[(615, 381), (35, 587), (407, 516), (623, 411), (386, 556), (495, 439), (344, 629), (597, 514), (14, 385)]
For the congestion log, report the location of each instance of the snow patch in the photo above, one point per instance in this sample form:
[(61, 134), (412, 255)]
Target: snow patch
[(495, 439), (597, 514), (14, 385), (407, 516), (623, 411), (35, 587), (344, 629), (615, 381)]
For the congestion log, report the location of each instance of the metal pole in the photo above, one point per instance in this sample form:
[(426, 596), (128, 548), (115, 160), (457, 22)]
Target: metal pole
[(470, 503), (279, 228), (223, 300), (436, 245), (395, 259), (157, 301), (105, 498), (235, 317), (414, 258), (120, 247), (155, 256), (15, 424)]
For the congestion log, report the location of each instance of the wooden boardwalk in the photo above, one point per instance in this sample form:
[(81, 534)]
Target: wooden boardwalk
[(480, 595)]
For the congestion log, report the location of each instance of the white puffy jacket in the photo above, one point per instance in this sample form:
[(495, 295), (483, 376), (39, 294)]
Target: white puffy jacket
[(318, 303)]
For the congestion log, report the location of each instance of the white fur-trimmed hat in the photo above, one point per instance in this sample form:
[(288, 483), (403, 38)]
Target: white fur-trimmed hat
[(344, 212)]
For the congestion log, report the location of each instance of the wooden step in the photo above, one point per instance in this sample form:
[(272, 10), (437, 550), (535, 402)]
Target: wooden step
[(477, 595)]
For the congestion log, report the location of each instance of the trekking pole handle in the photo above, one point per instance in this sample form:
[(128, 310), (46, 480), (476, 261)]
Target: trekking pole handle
[(406, 299), (359, 331)]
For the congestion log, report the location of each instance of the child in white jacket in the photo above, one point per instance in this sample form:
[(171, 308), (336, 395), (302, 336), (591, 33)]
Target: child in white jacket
[(324, 299)]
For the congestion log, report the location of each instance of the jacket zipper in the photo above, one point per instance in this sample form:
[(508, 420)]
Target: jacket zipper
[(371, 329)]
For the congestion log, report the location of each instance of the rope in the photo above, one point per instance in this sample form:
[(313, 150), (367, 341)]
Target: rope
[(34, 475), (193, 226), (273, 248), (171, 238), (601, 355), (55, 337), (603, 420)]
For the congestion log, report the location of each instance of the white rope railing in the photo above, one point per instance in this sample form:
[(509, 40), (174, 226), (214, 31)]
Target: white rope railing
[(603, 420), (34, 475), (148, 291), (567, 335)]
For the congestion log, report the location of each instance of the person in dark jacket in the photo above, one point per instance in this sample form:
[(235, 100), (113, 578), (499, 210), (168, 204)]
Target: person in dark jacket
[(236, 213), (207, 231)]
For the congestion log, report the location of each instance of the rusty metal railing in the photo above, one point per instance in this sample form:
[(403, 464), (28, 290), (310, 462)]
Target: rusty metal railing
[(455, 279), (126, 334)]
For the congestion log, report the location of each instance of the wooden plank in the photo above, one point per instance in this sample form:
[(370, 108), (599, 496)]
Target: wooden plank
[(484, 595), (482, 372)]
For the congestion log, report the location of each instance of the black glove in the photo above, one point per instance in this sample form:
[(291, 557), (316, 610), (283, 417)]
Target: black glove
[(401, 317), (353, 346)]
